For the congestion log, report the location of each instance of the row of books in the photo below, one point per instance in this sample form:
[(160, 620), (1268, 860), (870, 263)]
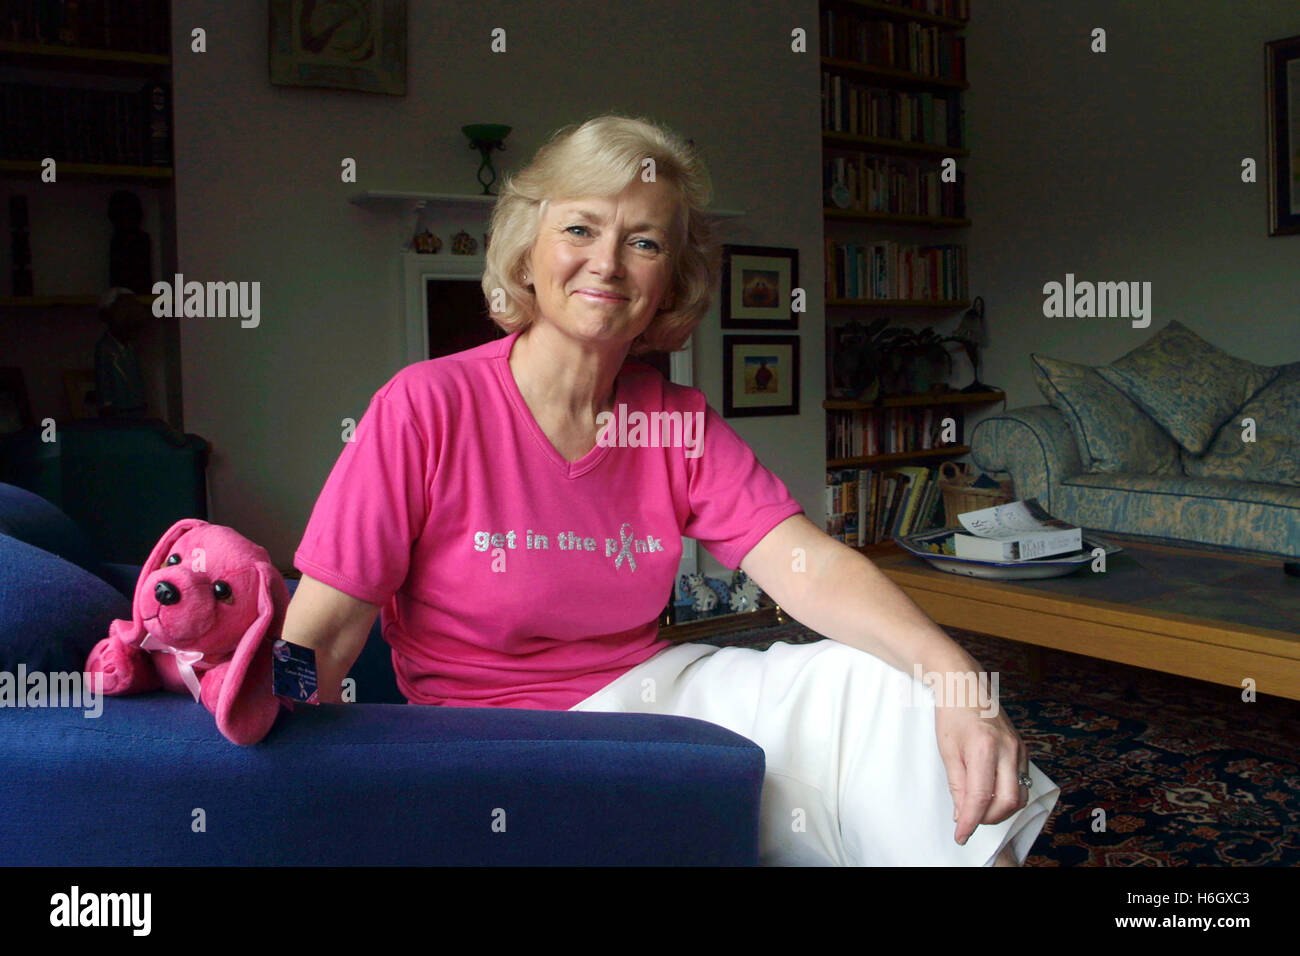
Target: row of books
[(890, 270), (896, 186), (952, 9), (137, 26), (887, 431), (865, 506), (899, 46), (865, 110), (79, 125)]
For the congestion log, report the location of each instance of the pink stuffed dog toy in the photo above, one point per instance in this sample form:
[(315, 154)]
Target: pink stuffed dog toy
[(208, 606)]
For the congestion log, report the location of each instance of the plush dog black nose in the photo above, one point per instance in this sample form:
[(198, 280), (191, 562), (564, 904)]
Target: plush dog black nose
[(166, 593)]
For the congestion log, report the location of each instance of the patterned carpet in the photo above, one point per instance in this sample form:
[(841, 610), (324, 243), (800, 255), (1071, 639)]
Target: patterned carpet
[(1186, 772)]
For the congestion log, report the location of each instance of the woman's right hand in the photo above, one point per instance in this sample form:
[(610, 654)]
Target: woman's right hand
[(333, 624)]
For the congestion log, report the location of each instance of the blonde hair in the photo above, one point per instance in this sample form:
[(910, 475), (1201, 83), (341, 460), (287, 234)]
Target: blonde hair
[(601, 157)]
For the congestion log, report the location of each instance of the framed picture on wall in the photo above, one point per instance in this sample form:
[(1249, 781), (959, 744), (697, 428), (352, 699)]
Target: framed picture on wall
[(1282, 81), (760, 375), (359, 45), (757, 282)]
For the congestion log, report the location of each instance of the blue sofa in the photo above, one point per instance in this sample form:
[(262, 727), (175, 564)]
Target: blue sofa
[(150, 781)]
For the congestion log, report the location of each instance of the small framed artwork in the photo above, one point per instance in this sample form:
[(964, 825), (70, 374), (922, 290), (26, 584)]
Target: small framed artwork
[(358, 45), (15, 410), (757, 282), (1282, 67), (760, 375)]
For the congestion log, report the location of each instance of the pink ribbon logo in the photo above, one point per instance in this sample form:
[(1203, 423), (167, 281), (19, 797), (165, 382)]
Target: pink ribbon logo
[(626, 551)]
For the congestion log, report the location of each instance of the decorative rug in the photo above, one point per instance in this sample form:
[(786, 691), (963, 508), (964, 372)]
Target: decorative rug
[(1187, 774)]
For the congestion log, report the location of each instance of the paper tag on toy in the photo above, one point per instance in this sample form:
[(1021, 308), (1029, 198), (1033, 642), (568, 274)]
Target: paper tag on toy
[(293, 674)]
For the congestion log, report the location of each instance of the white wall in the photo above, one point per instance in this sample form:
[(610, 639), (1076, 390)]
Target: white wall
[(1125, 165), (259, 198)]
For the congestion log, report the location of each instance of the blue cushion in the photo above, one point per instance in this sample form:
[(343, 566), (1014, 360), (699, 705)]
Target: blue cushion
[(1187, 385), (1112, 433), (53, 612), (1274, 455), (30, 518)]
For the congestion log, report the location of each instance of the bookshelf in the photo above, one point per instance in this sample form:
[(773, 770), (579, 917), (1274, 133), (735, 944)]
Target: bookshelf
[(87, 84), (893, 78), (85, 59), (948, 451)]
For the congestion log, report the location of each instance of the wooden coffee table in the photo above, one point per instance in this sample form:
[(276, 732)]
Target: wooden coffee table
[(1215, 617)]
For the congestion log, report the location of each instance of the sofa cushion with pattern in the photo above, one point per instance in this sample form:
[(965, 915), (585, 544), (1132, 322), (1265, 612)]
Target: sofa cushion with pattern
[(1113, 434), (1274, 455), (1187, 385)]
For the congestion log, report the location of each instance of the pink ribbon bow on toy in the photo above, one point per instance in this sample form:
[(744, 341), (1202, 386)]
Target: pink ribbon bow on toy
[(185, 660)]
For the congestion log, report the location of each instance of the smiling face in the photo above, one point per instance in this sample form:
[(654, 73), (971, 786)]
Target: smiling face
[(601, 267)]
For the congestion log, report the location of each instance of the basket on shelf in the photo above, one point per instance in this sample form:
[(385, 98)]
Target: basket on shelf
[(959, 497)]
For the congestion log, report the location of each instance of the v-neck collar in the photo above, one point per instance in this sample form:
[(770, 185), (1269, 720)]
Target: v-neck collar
[(569, 469)]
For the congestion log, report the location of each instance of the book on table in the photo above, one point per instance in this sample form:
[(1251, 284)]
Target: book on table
[(1019, 531)]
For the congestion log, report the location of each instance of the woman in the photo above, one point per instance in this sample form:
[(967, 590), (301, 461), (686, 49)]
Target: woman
[(521, 556)]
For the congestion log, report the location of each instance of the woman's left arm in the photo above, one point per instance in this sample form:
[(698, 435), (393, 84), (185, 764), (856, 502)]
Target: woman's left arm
[(839, 593)]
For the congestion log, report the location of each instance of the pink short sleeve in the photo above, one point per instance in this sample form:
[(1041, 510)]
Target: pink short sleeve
[(734, 499), (373, 506)]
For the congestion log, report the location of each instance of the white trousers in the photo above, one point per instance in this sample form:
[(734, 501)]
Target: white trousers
[(853, 771)]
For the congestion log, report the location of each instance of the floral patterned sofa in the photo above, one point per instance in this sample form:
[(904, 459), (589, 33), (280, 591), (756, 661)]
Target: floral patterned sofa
[(1176, 441)]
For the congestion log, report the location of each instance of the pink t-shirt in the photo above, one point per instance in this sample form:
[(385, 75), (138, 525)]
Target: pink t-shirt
[(507, 576)]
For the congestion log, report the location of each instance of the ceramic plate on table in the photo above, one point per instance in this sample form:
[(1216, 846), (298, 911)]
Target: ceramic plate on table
[(1056, 566)]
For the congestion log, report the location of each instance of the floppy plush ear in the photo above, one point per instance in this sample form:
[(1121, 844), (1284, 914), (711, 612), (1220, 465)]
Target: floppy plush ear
[(247, 706)]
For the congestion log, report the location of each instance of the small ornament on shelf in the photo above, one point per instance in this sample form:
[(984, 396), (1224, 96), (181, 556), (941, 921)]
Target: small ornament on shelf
[(702, 596), (744, 592), (424, 241), (463, 244)]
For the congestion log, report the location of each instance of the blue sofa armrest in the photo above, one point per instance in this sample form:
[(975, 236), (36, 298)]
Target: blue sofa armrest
[(1033, 444), (374, 784)]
